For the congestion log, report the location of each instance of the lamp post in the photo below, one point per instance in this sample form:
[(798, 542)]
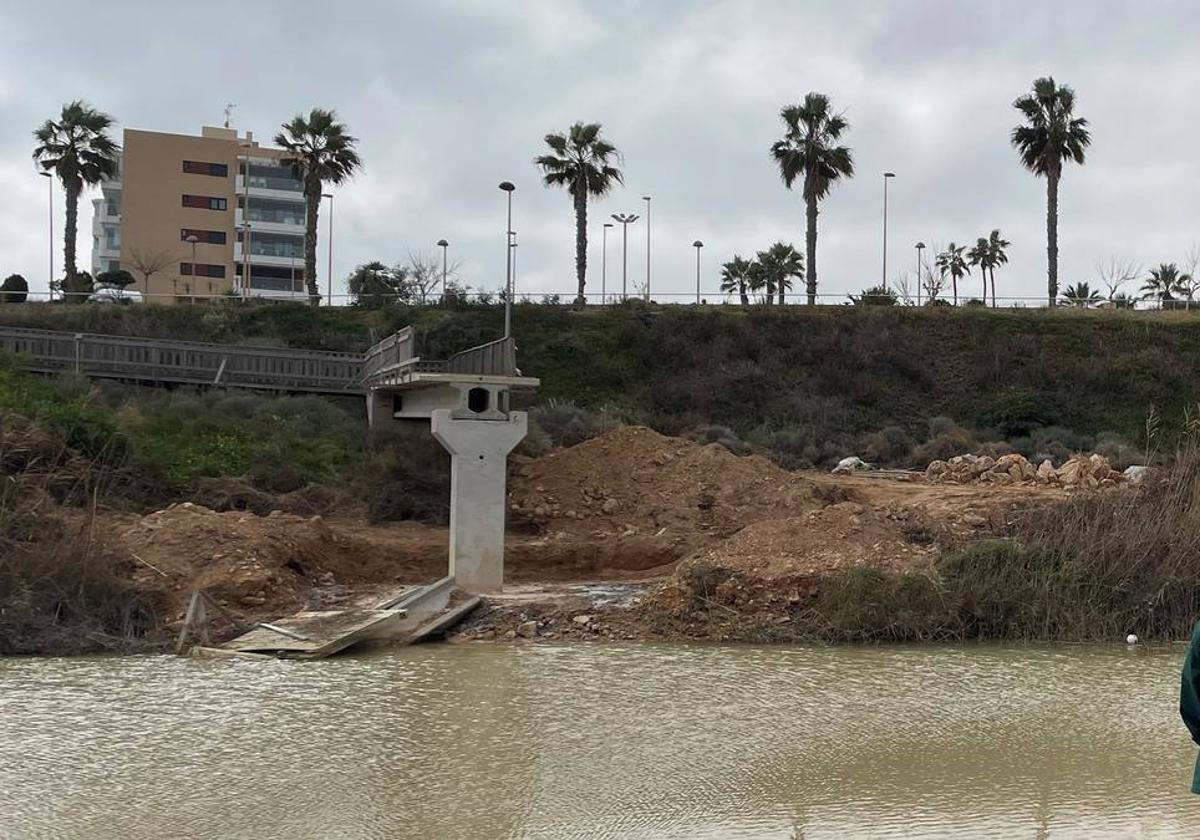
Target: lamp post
[(646, 199), (192, 239), (604, 263), (920, 248), (508, 187), (887, 176), (625, 220), (443, 244), (697, 245), (50, 192), (329, 270)]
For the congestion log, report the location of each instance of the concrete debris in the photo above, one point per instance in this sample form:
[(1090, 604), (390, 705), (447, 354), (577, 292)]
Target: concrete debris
[(1136, 474), (1089, 472), (850, 465)]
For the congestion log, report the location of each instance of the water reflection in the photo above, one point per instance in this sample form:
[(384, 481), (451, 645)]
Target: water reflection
[(600, 742)]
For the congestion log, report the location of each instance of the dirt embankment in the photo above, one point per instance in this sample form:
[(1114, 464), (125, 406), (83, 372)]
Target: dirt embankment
[(708, 542)]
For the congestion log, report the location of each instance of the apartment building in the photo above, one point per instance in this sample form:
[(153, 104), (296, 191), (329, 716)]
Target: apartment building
[(207, 215)]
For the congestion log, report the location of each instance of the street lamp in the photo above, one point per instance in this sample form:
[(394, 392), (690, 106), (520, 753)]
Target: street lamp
[(50, 192), (886, 177), (329, 270), (646, 199), (192, 239), (443, 244), (625, 220), (604, 262), (697, 245), (920, 248), (508, 187)]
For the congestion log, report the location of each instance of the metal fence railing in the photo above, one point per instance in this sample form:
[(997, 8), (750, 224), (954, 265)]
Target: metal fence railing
[(188, 362)]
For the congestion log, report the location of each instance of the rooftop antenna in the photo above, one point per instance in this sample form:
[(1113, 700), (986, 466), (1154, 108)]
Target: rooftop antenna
[(229, 106)]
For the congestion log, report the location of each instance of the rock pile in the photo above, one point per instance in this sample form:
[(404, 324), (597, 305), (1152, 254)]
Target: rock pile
[(1087, 471)]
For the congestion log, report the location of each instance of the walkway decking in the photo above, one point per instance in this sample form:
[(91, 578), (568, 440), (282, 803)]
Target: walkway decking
[(236, 366)]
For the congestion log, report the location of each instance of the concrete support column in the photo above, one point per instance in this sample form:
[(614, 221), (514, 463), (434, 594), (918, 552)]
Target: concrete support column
[(478, 469), (380, 409)]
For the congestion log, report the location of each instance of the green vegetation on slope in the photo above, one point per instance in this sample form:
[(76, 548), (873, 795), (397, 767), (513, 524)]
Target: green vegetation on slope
[(809, 383)]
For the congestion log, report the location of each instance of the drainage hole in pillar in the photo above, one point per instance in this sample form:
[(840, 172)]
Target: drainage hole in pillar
[(480, 457), (478, 400)]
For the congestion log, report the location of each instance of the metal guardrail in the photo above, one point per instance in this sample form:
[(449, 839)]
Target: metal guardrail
[(392, 360), (188, 362)]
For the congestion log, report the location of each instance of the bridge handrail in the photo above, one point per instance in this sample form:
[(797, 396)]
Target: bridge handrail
[(194, 362)]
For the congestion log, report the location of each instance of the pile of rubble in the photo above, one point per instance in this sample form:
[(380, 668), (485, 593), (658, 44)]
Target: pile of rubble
[(1089, 472)]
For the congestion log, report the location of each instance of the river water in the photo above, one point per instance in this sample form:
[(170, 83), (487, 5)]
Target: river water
[(639, 741)]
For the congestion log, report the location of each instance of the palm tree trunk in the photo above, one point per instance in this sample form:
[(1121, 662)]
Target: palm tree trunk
[(1052, 237), (742, 293), (70, 230), (782, 287), (581, 246), (810, 246), (312, 202), (983, 299), (954, 286), (993, 273)]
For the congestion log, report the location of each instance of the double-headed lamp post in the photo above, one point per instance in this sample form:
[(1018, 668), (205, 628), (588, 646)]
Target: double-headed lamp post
[(887, 176), (443, 244), (508, 187), (920, 248), (50, 183), (625, 220), (604, 263), (697, 245)]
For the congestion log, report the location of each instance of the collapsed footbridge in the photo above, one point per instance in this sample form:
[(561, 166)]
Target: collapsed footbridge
[(465, 400)]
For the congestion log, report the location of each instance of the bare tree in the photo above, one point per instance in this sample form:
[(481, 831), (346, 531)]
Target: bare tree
[(426, 273), (1115, 272), (148, 263), (933, 284), (904, 287)]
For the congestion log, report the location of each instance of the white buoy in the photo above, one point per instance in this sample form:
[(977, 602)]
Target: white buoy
[(1131, 639)]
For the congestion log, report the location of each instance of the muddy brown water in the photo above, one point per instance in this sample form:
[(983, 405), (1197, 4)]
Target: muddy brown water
[(640, 741)]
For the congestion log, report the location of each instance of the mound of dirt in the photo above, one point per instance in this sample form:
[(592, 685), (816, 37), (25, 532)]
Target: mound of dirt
[(634, 480), (266, 565), (821, 541)]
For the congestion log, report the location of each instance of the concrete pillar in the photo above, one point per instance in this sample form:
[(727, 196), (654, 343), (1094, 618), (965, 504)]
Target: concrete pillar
[(380, 409), (478, 469)]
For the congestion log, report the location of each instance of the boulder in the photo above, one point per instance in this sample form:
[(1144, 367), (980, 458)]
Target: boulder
[(527, 629), (1045, 473), (849, 465), (1135, 474)]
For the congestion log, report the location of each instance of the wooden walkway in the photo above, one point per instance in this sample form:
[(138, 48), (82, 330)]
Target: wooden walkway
[(235, 366)]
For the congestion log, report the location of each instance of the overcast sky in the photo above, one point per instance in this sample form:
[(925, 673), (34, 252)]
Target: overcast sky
[(450, 97)]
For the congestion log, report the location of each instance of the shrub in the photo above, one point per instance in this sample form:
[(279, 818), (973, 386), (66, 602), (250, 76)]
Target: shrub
[(722, 435), (407, 476), (14, 289), (566, 424), (891, 445)]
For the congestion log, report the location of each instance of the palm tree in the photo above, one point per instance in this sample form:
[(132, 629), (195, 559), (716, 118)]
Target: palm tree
[(735, 275), (583, 162), (757, 280), (318, 150), (1051, 136), (1165, 282), (809, 148), (951, 262), (79, 151), (981, 255), (780, 263), (999, 256), (1081, 295)]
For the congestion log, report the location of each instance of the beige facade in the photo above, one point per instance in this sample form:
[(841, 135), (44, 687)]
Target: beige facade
[(175, 186)]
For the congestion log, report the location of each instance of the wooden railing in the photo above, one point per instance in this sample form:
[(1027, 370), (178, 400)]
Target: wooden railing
[(191, 362)]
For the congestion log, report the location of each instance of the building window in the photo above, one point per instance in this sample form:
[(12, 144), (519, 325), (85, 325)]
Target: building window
[(199, 167), (205, 202), (205, 237), (201, 270)]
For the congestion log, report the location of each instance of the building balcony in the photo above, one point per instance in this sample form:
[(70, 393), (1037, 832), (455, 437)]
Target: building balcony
[(261, 189), (294, 228), (268, 259)]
